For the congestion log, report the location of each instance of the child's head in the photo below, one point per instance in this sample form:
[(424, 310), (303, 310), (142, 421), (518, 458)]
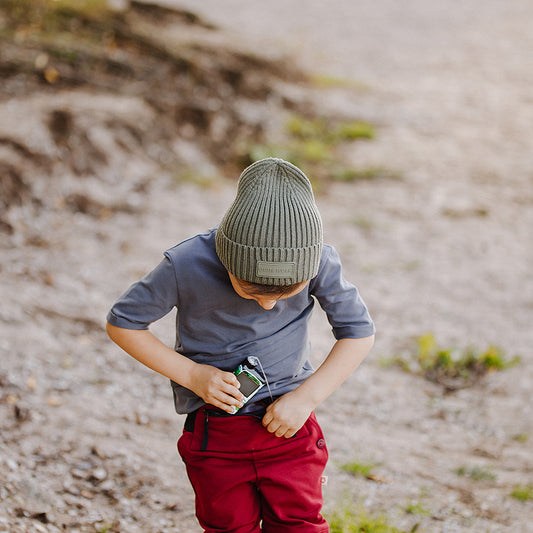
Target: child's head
[(272, 233)]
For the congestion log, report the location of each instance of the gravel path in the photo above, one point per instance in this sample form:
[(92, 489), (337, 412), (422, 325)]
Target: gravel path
[(88, 435)]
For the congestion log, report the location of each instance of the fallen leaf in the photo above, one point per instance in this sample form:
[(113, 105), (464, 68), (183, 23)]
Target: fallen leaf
[(51, 75), (378, 479)]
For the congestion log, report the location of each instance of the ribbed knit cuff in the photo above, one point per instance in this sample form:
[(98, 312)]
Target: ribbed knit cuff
[(268, 266)]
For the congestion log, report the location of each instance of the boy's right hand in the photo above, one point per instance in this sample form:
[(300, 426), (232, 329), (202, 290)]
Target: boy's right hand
[(216, 387)]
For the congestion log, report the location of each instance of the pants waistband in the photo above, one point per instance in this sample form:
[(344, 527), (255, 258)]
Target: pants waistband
[(257, 409)]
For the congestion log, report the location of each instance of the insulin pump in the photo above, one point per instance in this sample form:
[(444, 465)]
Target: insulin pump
[(250, 380)]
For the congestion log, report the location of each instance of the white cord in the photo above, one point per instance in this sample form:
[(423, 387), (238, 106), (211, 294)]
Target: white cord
[(254, 361)]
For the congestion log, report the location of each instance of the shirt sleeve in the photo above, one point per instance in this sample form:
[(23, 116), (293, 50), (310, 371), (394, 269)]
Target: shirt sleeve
[(344, 307), (147, 300)]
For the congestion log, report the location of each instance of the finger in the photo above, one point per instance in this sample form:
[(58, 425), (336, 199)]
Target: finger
[(273, 426), (282, 431), (267, 419), (230, 378), (236, 397), (229, 403), (225, 401), (231, 390), (219, 396), (229, 384), (224, 406)]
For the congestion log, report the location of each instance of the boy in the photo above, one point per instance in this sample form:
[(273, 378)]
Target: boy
[(243, 294)]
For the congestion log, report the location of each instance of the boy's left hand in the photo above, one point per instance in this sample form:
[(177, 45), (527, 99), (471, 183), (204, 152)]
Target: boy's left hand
[(287, 415)]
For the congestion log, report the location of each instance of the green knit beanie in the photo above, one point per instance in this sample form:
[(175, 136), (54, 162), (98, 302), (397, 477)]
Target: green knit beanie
[(272, 233)]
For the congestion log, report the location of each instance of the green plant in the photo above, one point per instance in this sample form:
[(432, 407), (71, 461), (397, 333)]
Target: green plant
[(521, 437), (312, 143), (366, 174), (348, 520), (355, 130), (452, 368), (304, 128), (324, 80), (523, 492), (416, 508), (313, 150), (359, 469), (52, 16), (327, 131), (476, 473)]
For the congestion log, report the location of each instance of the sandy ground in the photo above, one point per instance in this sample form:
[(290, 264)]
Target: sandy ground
[(88, 436)]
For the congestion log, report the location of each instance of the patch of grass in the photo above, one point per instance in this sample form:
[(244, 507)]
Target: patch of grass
[(355, 130), (416, 508), (521, 437), (312, 144), (313, 151), (260, 151), (348, 520), (476, 473), (452, 368), (365, 174), (52, 16), (324, 80), (523, 492), (359, 469), (327, 131), (305, 128)]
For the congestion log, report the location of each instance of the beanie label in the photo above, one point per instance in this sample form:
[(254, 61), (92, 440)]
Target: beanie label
[(270, 269)]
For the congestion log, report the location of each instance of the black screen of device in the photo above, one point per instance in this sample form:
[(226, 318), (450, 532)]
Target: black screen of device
[(248, 386)]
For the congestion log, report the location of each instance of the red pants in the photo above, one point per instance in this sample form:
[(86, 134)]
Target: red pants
[(248, 480)]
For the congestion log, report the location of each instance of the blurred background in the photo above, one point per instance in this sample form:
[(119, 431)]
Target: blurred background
[(124, 126)]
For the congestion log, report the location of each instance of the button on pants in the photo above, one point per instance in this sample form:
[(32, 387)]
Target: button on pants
[(248, 480)]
